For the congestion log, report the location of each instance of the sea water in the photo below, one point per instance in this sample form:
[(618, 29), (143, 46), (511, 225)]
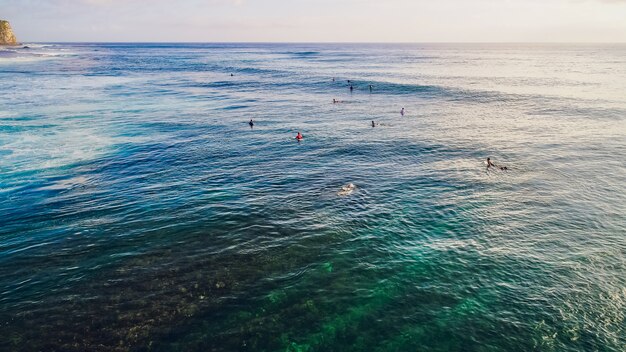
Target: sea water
[(139, 210)]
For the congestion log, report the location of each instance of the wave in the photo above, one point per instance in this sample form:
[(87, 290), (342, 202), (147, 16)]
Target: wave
[(576, 111), (399, 88), (301, 54), (260, 71), (29, 53)]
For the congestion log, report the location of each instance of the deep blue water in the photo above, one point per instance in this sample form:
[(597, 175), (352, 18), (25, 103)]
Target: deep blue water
[(139, 211)]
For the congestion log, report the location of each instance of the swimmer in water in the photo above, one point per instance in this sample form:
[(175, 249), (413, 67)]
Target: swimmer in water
[(299, 137), (231, 75), (251, 123), (351, 88), (373, 124), (402, 112), (371, 87), (347, 189), (490, 164), (335, 101)]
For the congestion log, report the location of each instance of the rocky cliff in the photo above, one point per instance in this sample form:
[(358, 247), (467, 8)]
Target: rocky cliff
[(6, 34)]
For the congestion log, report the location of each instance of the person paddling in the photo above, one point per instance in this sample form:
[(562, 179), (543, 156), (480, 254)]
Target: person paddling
[(490, 164)]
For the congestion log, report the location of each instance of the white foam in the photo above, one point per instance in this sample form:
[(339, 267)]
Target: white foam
[(67, 184), (34, 52), (28, 151), (37, 46)]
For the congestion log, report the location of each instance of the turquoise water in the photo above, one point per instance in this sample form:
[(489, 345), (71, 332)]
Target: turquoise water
[(139, 211)]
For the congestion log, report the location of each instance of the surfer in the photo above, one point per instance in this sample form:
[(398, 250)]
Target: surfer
[(490, 164), (373, 124), (402, 112), (351, 88), (347, 189), (299, 136), (371, 87), (251, 123)]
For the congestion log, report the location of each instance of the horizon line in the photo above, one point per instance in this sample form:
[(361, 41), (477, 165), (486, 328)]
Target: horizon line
[(310, 42)]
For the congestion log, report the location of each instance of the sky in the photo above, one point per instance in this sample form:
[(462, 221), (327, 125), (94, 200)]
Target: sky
[(317, 20)]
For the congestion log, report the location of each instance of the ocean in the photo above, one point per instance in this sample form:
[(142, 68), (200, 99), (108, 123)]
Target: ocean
[(140, 212)]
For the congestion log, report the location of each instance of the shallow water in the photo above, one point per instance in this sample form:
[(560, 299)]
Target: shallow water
[(139, 211)]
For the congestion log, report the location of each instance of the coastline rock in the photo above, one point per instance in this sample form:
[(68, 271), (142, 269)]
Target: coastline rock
[(6, 34)]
